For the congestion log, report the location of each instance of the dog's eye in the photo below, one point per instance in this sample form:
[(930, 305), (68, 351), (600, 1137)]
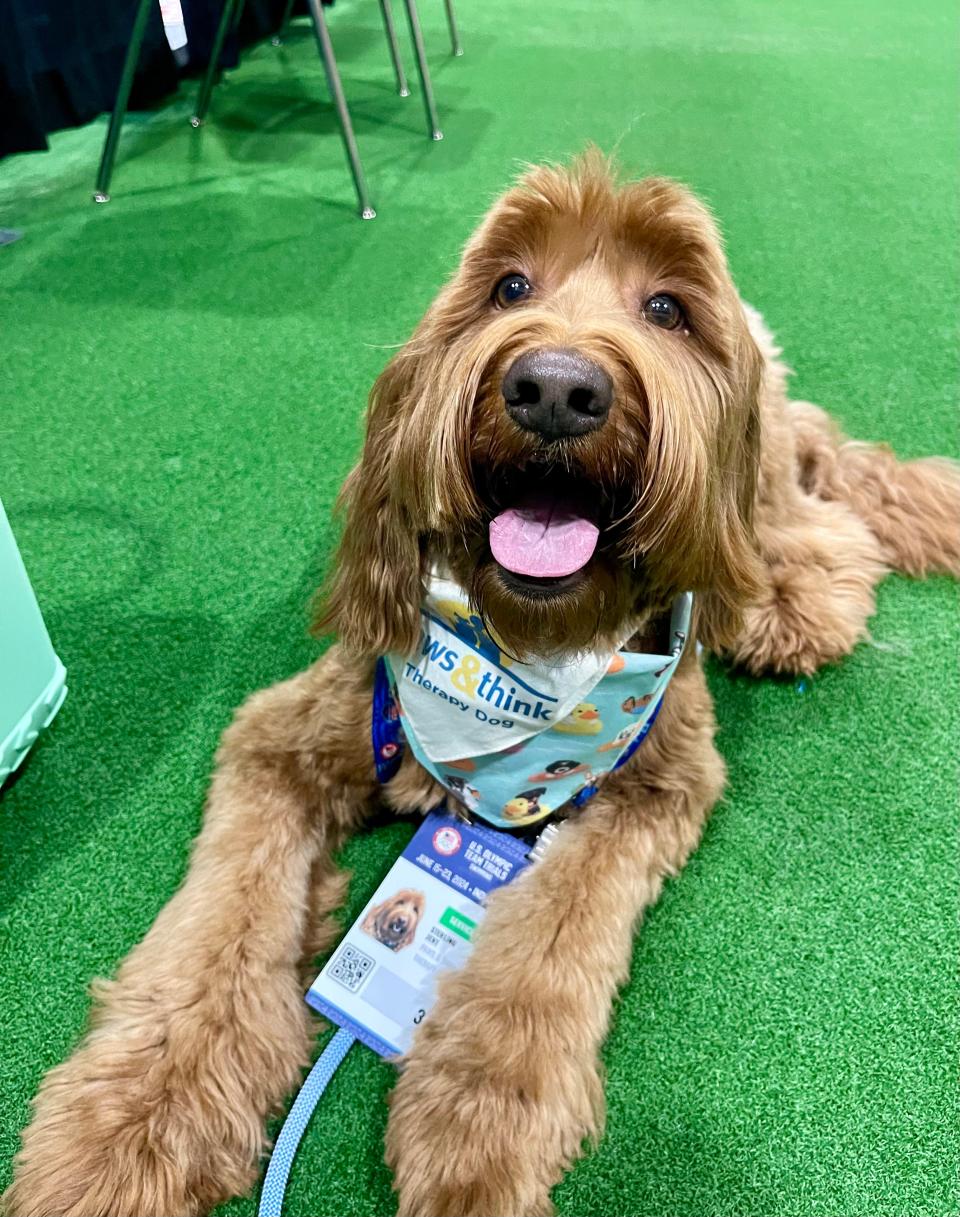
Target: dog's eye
[(664, 311), (512, 288)]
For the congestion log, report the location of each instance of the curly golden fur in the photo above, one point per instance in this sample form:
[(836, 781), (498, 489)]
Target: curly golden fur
[(708, 478)]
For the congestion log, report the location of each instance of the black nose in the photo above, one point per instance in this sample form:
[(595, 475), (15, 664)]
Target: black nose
[(557, 393)]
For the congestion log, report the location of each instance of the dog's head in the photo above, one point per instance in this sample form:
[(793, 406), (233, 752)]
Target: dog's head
[(572, 429), (394, 923)]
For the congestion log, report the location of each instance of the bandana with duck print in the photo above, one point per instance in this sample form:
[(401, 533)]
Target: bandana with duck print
[(513, 742)]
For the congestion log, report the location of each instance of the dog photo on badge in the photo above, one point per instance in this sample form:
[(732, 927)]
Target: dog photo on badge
[(394, 922)]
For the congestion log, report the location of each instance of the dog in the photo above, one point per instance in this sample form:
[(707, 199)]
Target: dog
[(395, 921), (592, 345)]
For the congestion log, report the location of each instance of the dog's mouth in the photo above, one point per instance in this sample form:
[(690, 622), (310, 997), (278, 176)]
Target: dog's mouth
[(544, 528)]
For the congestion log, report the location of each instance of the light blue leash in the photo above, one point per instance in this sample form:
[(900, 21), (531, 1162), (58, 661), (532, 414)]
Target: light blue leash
[(275, 1184)]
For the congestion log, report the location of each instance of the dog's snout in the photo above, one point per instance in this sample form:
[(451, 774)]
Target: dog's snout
[(557, 393)]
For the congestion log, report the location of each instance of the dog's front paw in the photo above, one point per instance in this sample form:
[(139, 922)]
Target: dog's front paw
[(466, 1146), (820, 574), (797, 628), (116, 1133), (484, 1118)]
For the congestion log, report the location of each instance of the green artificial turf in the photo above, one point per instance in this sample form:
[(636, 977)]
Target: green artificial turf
[(184, 373)]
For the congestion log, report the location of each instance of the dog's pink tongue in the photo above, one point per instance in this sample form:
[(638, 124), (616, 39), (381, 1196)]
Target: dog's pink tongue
[(543, 537)]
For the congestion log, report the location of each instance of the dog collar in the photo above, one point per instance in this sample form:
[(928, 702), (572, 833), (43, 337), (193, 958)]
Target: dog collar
[(514, 742)]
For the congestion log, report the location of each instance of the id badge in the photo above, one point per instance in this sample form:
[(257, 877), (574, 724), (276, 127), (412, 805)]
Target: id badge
[(380, 982)]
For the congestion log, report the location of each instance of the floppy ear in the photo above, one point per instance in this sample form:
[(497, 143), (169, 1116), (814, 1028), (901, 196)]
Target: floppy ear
[(372, 598), (737, 565), (411, 932), (370, 921)]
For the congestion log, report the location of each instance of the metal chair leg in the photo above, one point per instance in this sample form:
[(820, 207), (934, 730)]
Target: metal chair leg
[(433, 122), (230, 7), (277, 39), (455, 46), (325, 47), (101, 193), (391, 29)]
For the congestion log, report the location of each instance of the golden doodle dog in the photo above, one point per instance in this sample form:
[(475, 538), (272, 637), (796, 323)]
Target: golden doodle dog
[(593, 345), (394, 922)]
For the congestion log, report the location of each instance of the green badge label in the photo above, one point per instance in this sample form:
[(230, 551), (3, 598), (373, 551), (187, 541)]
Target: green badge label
[(457, 922)]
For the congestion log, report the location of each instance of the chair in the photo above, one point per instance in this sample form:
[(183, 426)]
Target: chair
[(455, 47), (230, 16)]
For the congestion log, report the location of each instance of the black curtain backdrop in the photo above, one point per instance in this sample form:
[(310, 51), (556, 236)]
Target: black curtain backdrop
[(60, 60)]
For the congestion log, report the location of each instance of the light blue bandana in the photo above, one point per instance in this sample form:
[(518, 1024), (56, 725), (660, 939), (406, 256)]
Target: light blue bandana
[(514, 742)]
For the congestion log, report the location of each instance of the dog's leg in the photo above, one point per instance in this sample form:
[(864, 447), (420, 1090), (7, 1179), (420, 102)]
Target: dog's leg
[(834, 518), (822, 564), (503, 1084), (204, 1030), (912, 507)]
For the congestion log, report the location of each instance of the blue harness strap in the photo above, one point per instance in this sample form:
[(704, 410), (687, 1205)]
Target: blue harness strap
[(386, 733)]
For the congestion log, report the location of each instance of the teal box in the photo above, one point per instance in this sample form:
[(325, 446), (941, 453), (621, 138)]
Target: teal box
[(32, 678)]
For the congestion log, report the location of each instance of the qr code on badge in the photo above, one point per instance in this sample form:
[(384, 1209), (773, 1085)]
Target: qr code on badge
[(351, 968)]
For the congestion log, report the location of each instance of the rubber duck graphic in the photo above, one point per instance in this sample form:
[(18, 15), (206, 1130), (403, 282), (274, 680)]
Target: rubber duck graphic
[(559, 769), (526, 804), (620, 740), (583, 719), (468, 795)]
